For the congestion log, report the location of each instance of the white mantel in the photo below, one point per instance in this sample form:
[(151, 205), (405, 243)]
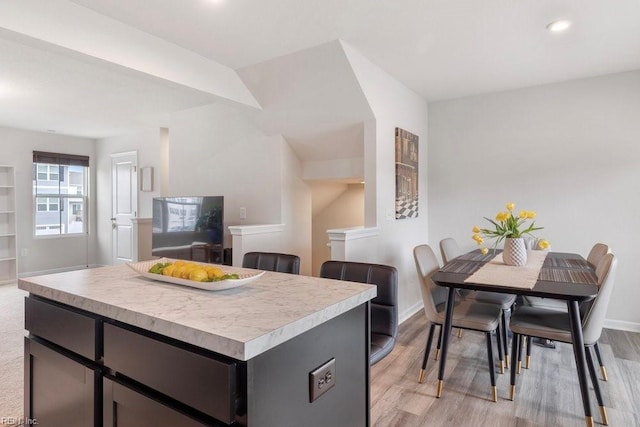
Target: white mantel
[(345, 241), (256, 237)]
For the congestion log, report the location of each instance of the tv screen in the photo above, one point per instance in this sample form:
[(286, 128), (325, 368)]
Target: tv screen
[(188, 228)]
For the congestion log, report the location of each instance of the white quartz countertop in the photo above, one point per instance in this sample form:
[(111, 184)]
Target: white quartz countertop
[(240, 323)]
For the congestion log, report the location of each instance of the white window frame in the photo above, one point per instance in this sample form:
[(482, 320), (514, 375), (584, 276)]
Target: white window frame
[(63, 200)]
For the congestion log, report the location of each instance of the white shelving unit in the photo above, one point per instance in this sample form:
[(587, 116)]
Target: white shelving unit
[(8, 244)]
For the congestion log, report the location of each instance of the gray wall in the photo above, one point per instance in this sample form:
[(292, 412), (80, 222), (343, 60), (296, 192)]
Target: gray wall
[(568, 151)]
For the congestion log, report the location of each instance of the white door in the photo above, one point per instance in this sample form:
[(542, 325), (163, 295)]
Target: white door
[(124, 204)]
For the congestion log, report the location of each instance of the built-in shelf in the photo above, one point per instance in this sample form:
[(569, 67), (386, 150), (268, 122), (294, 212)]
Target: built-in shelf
[(8, 249)]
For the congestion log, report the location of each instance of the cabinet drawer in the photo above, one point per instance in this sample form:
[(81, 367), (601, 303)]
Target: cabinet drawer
[(61, 389), (201, 382), (125, 407), (63, 326)]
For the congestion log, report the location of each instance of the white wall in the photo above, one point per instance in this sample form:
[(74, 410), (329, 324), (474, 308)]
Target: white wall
[(147, 144), (217, 150), (46, 254), (345, 210), (296, 208), (393, 105), (568, 151)]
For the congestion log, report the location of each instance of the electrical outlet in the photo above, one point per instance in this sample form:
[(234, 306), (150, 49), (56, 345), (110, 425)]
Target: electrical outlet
[(243, 213), (322, 379), (24, 252)]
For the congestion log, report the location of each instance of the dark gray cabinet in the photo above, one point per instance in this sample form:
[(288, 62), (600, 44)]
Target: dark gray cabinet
[(61, 390), (84, 370), (125, 407)]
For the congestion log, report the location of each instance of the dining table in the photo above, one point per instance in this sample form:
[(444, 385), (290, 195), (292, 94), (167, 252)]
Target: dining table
[(562, 276)]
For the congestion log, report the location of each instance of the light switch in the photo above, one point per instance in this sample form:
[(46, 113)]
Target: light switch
[(243, 213)]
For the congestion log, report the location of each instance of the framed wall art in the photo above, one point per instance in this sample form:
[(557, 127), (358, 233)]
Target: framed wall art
[(406, 174)]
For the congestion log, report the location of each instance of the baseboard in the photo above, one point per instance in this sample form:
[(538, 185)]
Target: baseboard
[(57, 270), (622, 325), (406, 314)]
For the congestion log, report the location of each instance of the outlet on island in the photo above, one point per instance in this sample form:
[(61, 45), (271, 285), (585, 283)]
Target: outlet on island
[(322, 379)]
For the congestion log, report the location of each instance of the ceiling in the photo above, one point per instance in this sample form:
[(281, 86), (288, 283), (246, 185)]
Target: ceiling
[(441, 49)]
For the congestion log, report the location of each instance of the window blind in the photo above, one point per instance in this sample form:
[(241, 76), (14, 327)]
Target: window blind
[(60, 159)]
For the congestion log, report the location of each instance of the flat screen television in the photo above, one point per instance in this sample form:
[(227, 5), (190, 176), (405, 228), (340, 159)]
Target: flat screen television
[(188, 228)]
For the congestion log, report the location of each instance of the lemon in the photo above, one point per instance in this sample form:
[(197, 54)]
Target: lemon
[(178, 263), (198, 275), (214, 273), (186, 269), (168, 270), (177, 272)]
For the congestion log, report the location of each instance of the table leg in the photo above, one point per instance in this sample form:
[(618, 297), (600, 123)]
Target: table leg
[(446, 332), (581, 361)]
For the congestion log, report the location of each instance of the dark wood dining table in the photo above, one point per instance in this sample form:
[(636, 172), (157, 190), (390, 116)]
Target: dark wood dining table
[(563, 276)]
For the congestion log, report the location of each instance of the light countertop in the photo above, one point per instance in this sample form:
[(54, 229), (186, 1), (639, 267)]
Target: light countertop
[(240, 323)]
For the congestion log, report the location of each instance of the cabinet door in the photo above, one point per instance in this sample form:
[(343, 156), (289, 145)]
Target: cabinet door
[(59, 390), (125, 407)]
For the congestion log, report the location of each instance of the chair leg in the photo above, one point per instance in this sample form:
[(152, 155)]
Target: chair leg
[(520, 344), (459, 332), (596, 385), (529, 346), (514, 357), (492, 373), (426, 352), (603, 370), (505, 337), (439, 343), (500, 351)]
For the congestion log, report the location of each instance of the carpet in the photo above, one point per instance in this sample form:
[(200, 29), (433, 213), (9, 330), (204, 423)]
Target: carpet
[(11, 354)]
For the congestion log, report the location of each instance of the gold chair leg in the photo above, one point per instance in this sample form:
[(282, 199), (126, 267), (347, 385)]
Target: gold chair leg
[(589, 421), (439, 388), (603, 370), (512, 393), (527, 362), (421, 376), (506, 361), (460, 333), (519, 367), (603, 413), (502, 366), (494, 393), (437, 353)]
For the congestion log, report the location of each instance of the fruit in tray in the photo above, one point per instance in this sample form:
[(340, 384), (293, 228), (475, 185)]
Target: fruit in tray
[(191, 271)]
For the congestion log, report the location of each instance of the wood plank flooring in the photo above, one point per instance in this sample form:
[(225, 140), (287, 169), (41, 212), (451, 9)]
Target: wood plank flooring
[(547, 394)]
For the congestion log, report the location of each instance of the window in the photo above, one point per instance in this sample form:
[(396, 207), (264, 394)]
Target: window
[(60, 193), (47, 204), (48, 172)]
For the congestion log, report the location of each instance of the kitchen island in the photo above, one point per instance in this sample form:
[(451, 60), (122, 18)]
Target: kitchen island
[(109, 347)]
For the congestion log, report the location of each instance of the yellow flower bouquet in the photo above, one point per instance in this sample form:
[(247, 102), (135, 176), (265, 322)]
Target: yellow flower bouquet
[(507, 225)]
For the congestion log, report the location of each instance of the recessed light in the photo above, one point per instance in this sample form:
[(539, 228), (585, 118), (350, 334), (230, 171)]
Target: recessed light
[(559, 26)]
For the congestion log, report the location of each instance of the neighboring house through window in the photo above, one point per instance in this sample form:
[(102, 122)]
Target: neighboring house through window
[(60, 193)]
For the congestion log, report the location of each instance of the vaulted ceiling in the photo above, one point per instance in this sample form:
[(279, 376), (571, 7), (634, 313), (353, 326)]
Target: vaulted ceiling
[(99, 67)]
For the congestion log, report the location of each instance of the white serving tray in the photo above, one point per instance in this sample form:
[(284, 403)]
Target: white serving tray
[(143, 267)]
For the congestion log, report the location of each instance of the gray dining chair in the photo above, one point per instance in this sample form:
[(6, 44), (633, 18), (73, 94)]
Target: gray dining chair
[(384, 307), (555, 325), (450, 250), (597, 252), (467, 314)]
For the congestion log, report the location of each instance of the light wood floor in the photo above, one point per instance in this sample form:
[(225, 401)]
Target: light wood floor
[(548, 393)]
